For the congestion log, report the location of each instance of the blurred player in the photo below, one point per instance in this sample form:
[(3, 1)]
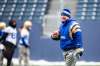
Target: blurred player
[(70, 38), (2, 38), (2, 27), (24, 43), (10, 41)]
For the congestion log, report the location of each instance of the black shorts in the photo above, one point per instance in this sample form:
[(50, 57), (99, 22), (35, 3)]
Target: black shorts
[(9, 49)]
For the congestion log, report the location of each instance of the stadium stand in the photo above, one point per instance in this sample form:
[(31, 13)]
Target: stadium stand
[(22, 10), (88, 10)]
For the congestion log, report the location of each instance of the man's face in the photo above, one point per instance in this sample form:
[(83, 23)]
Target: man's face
[(64, 18), (14, 23)]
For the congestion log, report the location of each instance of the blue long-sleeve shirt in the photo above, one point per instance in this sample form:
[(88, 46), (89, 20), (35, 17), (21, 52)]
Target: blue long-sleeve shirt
[(24, 38), (70, 35)]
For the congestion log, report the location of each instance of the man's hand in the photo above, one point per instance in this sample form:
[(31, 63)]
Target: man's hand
[(2, 47), (55, 35), (80, 51)]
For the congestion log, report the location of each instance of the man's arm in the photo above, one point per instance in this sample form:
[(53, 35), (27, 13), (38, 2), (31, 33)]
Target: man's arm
[(77, 38), (3, 35), (77, 35)]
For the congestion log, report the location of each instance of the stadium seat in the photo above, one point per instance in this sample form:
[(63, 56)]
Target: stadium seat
[(22, 9), (88, 9)]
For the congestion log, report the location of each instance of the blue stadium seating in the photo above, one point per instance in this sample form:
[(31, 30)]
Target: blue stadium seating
[(88, 10), (22, 9)]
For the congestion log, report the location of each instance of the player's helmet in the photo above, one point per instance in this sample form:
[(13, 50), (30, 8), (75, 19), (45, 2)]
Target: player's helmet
[(2, 25), (12, 23), (28, 24)]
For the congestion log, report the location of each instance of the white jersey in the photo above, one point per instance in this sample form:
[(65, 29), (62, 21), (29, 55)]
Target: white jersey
[(12, 36)]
